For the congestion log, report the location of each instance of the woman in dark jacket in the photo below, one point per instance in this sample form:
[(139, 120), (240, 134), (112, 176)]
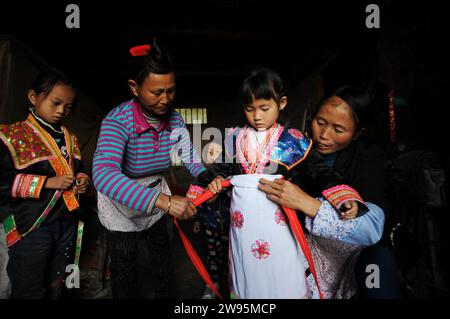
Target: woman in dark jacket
[(337, 131)]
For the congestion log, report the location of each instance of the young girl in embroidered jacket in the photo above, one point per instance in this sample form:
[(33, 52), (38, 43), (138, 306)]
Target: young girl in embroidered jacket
[(265, 260), (40, 177)]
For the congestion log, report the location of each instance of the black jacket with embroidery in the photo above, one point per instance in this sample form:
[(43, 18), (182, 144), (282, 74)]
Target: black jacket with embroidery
[(26, 161)]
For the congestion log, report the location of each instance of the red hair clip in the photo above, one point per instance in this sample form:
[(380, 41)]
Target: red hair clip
[(140, 50)]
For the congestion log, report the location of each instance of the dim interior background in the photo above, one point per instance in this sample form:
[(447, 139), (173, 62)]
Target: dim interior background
[(317, 46)]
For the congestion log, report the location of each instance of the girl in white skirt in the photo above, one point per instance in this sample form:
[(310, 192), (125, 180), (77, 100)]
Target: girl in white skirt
[(266, 261)]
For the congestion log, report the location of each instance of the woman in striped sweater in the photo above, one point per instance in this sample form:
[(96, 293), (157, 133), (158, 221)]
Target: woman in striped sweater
[(133, 152)]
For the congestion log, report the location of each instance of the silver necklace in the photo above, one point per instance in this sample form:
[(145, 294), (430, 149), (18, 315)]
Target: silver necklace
[(45, 123), (151, 119)]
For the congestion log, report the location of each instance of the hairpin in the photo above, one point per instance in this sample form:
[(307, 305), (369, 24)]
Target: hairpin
[(140, 50)]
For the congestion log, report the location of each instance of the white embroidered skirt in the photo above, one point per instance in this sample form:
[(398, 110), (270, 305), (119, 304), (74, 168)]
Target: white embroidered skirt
[(265, 259)]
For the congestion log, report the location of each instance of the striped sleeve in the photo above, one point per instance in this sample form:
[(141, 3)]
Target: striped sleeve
[(188, 154), (107, 168)]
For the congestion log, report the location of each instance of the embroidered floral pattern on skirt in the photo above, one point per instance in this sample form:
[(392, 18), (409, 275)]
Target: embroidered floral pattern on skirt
[(261, 249), (266, 261), (237, 219), (280, 218)]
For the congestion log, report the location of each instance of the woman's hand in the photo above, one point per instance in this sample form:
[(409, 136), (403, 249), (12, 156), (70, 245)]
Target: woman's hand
[(288, 194), (180, 207), (81, 185), (62, 182)]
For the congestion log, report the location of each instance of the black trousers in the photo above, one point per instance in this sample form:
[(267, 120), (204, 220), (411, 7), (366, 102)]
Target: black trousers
[(140, 262), (37, 262)]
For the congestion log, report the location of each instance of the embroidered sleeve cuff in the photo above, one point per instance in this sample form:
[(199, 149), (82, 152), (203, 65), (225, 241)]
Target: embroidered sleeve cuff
[(338, 195), (27, 186), (194, 191)]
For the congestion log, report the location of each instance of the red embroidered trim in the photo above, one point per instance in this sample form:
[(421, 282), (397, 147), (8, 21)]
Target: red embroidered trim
[(265, 150), (339, 194), (12, 237), (27, 186), (194, 191)]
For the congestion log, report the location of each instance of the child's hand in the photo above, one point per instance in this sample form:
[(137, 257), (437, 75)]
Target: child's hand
[(59, 182), (216, 185), (81, 185), (196, 228), (351, 210)]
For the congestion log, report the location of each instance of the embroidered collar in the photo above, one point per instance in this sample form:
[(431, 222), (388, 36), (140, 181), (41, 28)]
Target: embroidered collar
[(51, 144), (141, 123), (264, 152)]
